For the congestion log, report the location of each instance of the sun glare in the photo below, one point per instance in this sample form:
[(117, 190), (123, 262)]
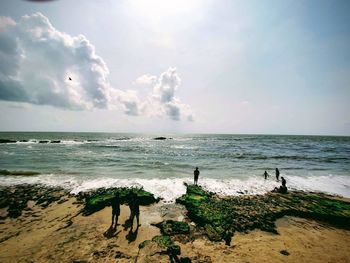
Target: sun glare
[(156, 10)]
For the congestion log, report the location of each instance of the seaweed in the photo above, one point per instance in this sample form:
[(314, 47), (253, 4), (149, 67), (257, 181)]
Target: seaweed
[(219, 218), (98, 199)]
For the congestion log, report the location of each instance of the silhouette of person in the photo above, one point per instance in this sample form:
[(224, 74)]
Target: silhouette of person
[(115, 209), (283, 188), (277, 174), (134, 209), (284, 182), (266, 175), (196, 175)]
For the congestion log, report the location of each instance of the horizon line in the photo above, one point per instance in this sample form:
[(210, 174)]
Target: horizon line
[(183, 133)]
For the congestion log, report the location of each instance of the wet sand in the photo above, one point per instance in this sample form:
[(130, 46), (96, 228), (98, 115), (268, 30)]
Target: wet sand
[(59, 233)]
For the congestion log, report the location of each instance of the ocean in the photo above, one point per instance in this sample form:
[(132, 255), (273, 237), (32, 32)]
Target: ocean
[(228, 164)]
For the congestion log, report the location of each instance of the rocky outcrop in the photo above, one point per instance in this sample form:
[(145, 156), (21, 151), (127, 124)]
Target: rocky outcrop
[(15, 198), (100, 198), (171, 227), (219, 218), (159, 249)]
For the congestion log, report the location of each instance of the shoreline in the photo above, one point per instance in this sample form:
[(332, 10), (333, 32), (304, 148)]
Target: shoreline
[(52, 228), (171, 188)]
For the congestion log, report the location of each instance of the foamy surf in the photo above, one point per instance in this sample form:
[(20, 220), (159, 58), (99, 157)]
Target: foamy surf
[(171, 188)]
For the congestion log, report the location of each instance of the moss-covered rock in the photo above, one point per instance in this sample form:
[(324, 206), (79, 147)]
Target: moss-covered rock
[(171, 227), (166, 242), (100, 198), (219, 218)]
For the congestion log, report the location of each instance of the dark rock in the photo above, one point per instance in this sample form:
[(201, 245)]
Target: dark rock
[(119, 254), (144, 244), (160, 138), (7, 141), (24, 141), (62, 201), (284, 252), (166, 242), (151, 251), (55, 142), (43, 141), (17, 197), (171, 227), (100, 198), (22, 173)]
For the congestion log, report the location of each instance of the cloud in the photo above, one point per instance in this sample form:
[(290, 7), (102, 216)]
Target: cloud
[(129, 100), (42, 65), (146, 79), (5, 22), (163, 101)]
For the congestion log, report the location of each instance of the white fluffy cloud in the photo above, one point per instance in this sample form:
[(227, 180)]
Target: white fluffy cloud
[(42, 65), (163, 100), (146, 79)]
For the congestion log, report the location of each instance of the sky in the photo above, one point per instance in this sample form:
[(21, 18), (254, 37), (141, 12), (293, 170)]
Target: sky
[(182, 66)]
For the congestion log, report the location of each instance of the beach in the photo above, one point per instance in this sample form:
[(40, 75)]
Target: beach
[(57, 190), (174, 131), (56, 230)]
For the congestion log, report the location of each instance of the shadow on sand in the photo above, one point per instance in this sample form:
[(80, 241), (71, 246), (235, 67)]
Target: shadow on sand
[(111, 232)]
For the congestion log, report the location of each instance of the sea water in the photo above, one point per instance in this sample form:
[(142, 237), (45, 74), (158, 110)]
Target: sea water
[(228, 164)]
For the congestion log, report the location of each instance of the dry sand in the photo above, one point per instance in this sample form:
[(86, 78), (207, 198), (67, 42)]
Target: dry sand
[(60, 234)]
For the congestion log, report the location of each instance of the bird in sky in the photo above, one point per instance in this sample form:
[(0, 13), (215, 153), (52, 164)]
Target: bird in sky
[(70, 78)]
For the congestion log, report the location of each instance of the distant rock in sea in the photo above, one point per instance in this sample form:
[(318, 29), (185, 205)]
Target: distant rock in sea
[(20, 173), (162, 138), (43, 141), (7, 141)]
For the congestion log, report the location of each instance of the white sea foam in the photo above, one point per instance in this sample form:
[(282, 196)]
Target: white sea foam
[(171, 188), (27, 142), (72, 142)]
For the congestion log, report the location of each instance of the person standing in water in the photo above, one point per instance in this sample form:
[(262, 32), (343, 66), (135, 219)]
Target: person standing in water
[(284, 182), (277, 174), (196, 175), (266, 175)]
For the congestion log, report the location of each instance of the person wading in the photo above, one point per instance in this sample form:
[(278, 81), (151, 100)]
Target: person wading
[(277, 174)]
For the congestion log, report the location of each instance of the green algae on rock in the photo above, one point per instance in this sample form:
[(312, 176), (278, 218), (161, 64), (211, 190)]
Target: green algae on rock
[(165, 241), (171, 227), (160, 249), (219, 218), (98, 199)]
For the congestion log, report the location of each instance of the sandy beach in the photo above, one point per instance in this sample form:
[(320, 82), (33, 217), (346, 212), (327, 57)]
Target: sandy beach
[(60, 233)]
